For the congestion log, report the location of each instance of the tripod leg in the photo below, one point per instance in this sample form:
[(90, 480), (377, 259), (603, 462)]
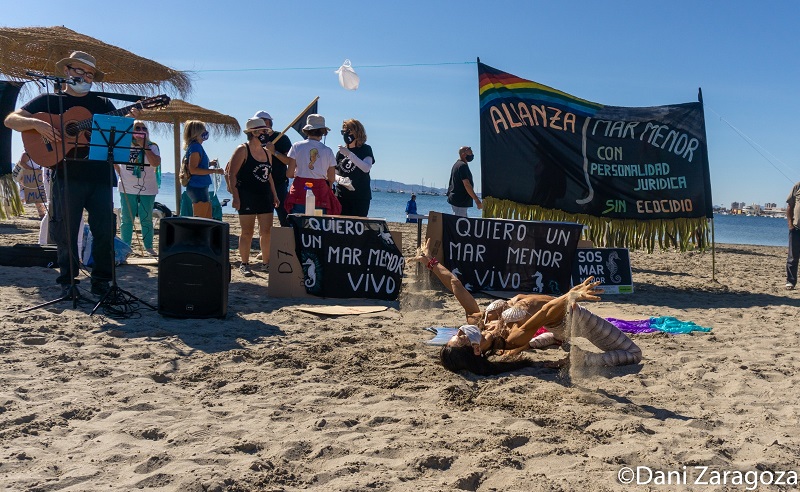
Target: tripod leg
[(71, 294)]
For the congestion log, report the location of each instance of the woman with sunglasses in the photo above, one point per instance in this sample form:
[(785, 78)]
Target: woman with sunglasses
[(138, 186), (254, 194), (194, 134), (353, 164)]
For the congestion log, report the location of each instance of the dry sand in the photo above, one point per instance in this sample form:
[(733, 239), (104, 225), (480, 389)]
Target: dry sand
[(275, 399)]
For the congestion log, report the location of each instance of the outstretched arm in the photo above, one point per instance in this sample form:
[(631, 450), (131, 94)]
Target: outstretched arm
[(450, 281), (553, 312)]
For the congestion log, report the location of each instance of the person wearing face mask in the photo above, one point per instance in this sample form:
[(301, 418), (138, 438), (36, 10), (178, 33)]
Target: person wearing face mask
[(90, 183), (460, 192), (194, 134), (353, 164), (311, 162), (279, 163), (254, 195), (138, 187)]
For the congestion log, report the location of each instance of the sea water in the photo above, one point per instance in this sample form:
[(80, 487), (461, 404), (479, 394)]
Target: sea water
[(728, 229)]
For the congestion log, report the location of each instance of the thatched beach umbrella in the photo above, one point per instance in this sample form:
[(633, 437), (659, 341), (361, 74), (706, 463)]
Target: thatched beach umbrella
[(37, 49), (179, 111)]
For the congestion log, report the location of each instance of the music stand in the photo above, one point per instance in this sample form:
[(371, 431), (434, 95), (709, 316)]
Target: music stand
[(110, 134)]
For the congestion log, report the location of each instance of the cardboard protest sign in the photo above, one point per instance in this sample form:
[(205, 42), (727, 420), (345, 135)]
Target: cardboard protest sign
[(32, 183), (509, 255), (611, 266), (339, 257)]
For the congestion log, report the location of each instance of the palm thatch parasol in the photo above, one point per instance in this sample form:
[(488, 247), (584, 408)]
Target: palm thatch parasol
[(38, 49), (179, 111)]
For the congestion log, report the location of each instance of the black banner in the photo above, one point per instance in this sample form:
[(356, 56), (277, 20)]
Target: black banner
[(516, 255), (611, 266), (348, 258), (581, 157)]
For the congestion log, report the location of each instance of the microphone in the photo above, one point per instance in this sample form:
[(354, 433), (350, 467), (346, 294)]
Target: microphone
[(54, 78)]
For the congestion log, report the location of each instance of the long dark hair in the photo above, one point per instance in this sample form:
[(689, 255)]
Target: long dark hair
[(464, 359)]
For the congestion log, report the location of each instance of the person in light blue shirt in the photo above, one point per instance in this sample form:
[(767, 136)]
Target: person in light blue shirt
[(194, 134)]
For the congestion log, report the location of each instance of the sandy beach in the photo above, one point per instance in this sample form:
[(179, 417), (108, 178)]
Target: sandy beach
[(277, 399)]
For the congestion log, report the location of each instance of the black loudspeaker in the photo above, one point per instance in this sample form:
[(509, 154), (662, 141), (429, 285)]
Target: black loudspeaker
[(194, 268)]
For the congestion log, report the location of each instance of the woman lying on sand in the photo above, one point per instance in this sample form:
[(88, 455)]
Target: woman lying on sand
[(510, 326)]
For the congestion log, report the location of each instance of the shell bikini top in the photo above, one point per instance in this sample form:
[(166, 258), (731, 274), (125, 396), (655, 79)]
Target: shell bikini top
[(508, 314)]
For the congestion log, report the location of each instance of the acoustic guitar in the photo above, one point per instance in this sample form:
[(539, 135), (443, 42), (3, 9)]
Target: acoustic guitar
[(77, 130)]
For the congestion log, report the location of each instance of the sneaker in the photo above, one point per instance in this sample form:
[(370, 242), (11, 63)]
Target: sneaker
[(100, 288), (265, 267), (245, 270), (259, 257), (789, 286), (150, 252)]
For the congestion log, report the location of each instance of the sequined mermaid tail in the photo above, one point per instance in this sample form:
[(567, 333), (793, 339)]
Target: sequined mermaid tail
[(618, 349)]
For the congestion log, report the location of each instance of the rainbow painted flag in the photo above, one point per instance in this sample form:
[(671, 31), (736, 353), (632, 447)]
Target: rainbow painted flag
[(496, 86)]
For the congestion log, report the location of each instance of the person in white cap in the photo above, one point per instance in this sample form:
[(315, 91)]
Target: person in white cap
[(90, 183), (254, 195), (279, 165), (312, 163)]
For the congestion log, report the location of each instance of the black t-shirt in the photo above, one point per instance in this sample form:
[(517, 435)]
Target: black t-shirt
[(279, 168), (361, 180), (456, 192), (94, 104), (253, 175)]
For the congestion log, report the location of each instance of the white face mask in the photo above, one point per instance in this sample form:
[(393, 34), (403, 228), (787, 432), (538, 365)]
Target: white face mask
[(82, 87), (472, 332)]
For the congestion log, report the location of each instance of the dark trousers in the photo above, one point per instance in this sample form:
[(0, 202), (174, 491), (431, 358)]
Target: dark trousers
[(282, 190), (794, 255), (65, 221), (355, 208)]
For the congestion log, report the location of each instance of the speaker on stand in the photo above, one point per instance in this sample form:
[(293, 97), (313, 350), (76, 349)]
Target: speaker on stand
[(194, 267)]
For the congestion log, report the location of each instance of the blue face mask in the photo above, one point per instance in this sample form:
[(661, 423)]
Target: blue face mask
[(204, 136)]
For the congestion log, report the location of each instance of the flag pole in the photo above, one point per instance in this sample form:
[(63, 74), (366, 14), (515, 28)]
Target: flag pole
[(295, 119)]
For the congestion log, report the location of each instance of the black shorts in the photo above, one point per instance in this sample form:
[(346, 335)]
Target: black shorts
[(255, 203)]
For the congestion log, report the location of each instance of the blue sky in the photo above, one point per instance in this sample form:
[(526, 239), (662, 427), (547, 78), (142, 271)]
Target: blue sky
[(418, 97)]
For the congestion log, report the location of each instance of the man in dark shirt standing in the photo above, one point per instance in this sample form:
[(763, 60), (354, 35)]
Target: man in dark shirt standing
[(90, 184), (282, 147), (460, 192), (793, 216)]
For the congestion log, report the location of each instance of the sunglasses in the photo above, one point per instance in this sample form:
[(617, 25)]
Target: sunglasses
[(345, 132), (140, 128)]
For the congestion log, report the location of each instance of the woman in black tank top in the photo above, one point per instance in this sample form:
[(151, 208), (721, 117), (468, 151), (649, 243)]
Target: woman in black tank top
[(254, 196)]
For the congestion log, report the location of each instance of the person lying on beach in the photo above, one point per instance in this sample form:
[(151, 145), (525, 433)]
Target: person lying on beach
[(510, 327)]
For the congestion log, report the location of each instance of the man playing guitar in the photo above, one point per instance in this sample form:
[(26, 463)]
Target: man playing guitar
[(90, 183)]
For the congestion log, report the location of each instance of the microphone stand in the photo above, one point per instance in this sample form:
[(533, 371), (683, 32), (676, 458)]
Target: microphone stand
[(72, 292)]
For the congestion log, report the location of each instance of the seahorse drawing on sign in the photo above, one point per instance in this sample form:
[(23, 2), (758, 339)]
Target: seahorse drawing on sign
[(539, 285), (311, 273), (611, 264)]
